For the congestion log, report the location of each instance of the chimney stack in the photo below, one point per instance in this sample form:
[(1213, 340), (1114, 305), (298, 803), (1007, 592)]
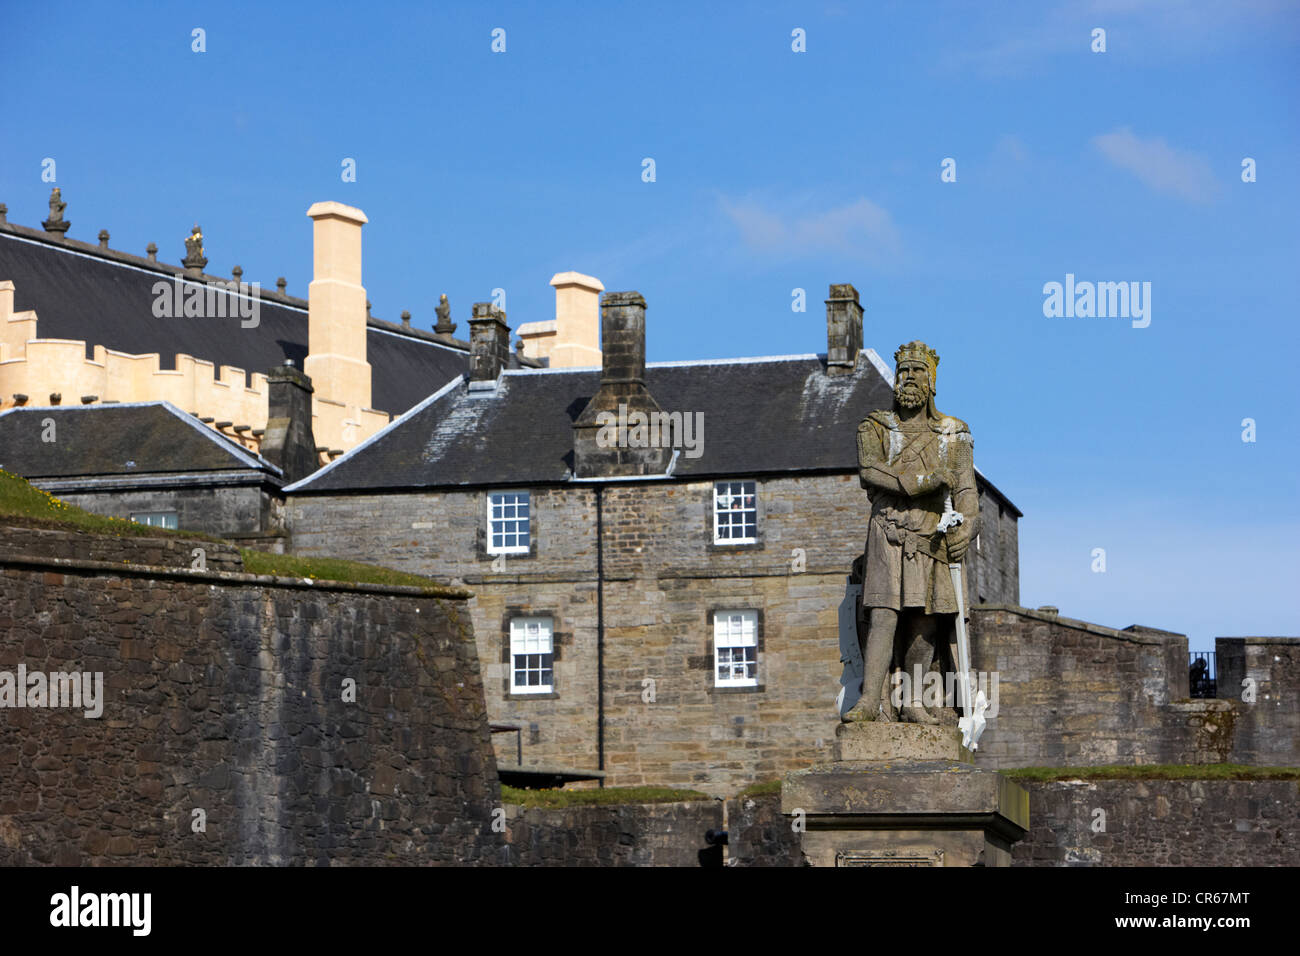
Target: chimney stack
[(489, 343), (336, 306), (288, 443), (571, 339), (623, 394), (843, 330)]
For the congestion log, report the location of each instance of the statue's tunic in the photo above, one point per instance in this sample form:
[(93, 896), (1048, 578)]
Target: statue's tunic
[(907, 557)]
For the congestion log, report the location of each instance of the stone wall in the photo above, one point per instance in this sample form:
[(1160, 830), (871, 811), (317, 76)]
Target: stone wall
[(759, 834), (44, 545), (1162, 823), (656, 834), (1261, 676), (215, 510), (1147, 823), (224, 693), (1077, 694)]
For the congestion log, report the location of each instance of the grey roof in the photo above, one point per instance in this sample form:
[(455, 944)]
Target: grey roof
[(104, 297), (767, 415), (144, 438), (761, 416)]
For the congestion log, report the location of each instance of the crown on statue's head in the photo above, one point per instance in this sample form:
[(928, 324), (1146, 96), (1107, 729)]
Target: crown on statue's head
[(919, 352)]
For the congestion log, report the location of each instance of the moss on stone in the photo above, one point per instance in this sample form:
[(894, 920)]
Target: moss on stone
[(336, 569), (608, 796), (761, 789), (1207, 771)]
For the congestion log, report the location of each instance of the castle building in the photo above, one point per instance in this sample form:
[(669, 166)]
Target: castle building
[(87, 324), (658, 550)]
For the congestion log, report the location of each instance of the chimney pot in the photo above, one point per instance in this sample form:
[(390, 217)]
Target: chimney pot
[(152, 251), (103, 238)]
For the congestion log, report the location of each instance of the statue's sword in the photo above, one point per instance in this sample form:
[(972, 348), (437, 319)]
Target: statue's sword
[(969, 721)]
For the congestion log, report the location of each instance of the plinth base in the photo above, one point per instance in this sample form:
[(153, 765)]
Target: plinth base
[(912, 797), (884, 742)]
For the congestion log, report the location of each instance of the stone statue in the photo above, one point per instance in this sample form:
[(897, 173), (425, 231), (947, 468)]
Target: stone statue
[(445, 325), (194, 259), (916, 464), (57, 205), (56, 223)]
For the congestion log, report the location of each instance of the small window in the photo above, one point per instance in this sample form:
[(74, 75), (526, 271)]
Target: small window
[(155, 519), (508, 523), (532, 655), (735, 648), (735, 513)]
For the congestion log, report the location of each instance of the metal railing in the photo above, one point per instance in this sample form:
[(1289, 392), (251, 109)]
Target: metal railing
[(1202, 677)]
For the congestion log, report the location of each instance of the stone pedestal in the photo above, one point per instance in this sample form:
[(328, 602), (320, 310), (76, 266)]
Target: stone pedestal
[(904, 795)]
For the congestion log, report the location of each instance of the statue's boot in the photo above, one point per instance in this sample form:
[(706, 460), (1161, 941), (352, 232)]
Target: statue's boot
[(917, 715), (862, 712)]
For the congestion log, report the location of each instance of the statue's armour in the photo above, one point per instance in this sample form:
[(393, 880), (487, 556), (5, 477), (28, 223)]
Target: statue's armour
[(907, 556)]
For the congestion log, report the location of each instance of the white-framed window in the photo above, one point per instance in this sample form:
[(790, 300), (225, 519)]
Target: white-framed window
[(509, 526), (532, 655), (735, 512), (735, 648), (155, 519)]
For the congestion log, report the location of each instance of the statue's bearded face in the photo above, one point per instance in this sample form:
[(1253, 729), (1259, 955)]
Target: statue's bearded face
[(912, 384)]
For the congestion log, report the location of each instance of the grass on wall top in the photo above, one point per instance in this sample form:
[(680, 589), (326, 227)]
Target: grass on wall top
[(27, 506), (23, 504), (336, 569)]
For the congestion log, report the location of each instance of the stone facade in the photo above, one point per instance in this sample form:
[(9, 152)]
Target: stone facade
[(218, 509), (663, 577), (1068, 692)]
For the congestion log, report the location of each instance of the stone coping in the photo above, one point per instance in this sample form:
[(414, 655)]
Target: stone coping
[(74, 565), (1153, 638)]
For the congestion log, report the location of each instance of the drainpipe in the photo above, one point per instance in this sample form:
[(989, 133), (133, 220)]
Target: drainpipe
[(600, 636)]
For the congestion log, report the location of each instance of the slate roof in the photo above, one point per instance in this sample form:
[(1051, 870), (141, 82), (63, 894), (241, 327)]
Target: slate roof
[(105, 297), (773, 415), (131, 439), (760, 415)]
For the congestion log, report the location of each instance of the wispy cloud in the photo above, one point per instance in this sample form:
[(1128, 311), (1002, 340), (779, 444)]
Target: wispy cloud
[(1158, 164), (1147, 28), (860, 229)]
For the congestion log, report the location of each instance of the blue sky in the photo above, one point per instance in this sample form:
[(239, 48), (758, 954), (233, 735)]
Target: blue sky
[(778, 170)]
